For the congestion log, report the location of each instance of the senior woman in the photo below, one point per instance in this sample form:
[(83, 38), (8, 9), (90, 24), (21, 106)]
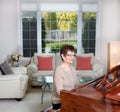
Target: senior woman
[(64, 75)]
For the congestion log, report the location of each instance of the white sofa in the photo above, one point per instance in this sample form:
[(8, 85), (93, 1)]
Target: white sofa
[(95, 72), (14, 85)]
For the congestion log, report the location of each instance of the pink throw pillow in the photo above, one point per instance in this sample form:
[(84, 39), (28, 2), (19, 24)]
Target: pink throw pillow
[(45, 63), (83, 63)]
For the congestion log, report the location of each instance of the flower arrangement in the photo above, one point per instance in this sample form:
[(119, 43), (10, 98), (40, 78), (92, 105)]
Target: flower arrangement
[(16, 57)]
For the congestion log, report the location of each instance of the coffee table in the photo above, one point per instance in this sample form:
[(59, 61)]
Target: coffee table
[(44, 81), (84, 79)]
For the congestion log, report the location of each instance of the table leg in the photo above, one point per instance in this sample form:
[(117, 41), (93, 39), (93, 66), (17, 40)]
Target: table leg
[(43, 91)]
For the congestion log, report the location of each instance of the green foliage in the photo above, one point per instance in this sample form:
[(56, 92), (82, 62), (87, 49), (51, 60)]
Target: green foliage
[(67, 20), (88, 15), (60, 20), (43, 35), (89, 29), (50, 17), (57, 45), (33, 19)]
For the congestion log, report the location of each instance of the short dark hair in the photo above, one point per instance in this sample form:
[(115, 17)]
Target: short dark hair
[(65, 48)]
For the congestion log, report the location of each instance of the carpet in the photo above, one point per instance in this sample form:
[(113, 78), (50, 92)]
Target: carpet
[(30, 103)]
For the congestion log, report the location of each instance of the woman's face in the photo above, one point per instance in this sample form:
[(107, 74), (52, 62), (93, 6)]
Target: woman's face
[(69, 57)]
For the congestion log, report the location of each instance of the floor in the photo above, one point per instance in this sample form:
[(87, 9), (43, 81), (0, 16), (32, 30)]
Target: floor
[(30, 103)]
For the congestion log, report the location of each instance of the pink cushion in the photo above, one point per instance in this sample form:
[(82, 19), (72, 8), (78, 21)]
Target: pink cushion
[(45, 63), (83, 63)]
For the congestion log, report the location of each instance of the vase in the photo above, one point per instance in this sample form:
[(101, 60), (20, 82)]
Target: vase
[(15, 64)]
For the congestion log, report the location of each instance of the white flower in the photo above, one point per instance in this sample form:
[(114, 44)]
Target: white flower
[(16, 57)]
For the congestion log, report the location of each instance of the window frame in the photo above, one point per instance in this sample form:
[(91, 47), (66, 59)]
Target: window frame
[(79, 33)]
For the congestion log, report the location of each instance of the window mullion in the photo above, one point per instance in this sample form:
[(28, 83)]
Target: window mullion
[(79, 33), (39, 42)]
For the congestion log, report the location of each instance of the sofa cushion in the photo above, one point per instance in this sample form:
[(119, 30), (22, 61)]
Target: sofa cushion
[(19, 70), (58, 60), (5, 68), (35, 58), (83, 63), (84, 55), (87, 55), (45, 63), (87, 73), (43, 73)]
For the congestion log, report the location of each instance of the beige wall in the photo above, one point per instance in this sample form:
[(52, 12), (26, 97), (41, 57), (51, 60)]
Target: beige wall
[(109, 27), (8, 27)]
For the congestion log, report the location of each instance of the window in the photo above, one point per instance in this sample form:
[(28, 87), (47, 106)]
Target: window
[(29, 23), (46, 31), (89, 32), (58, 28)]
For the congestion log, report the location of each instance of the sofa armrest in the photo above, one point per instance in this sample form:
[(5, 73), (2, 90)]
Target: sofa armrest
[(11, 77), (23, 82), (17, 79), (97, 67), (32, 67)]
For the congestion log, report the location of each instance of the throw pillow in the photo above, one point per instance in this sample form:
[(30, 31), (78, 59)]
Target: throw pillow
[(0, 72), (5, 68), (83, 63), (45, 63), (87, 55)]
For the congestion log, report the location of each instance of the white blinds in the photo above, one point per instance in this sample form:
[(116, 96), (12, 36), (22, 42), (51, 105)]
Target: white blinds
[(29, 7), (90, 7), (59, 7)]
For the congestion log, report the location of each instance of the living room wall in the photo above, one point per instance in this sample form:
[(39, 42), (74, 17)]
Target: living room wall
[(8, 28), (109, 29)]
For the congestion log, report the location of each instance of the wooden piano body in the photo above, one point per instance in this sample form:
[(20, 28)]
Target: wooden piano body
[(87, 99)]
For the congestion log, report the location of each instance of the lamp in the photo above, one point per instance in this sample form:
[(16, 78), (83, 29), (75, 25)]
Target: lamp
[(114, 53)]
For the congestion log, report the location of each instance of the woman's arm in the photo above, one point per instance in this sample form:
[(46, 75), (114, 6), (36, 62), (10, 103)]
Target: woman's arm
[(58, 80)]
